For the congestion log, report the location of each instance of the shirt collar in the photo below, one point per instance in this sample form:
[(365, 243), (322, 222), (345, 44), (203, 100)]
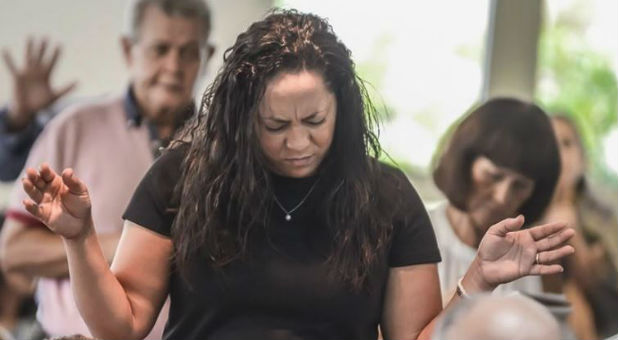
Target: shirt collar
[(134, 118)]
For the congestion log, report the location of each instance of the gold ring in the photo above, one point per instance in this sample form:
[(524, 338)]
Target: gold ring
[(536, 259)]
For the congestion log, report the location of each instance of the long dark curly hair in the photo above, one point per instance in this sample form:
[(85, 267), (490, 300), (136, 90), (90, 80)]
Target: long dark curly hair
[(225, 189)]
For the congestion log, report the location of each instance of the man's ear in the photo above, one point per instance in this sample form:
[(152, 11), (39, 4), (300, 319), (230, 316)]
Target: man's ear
[(126, 44), (210, 50)]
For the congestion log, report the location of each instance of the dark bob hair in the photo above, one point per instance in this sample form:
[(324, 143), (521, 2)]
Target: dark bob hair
[(514, 134)]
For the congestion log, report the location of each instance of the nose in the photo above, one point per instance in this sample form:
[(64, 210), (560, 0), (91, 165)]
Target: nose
[(502, 192), (172, 61), (297, 139)]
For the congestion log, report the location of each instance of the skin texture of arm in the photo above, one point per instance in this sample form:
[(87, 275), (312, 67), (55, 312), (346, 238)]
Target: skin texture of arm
[(124, 301)]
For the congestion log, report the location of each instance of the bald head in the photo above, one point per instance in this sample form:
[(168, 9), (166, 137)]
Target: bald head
[(498, 317)]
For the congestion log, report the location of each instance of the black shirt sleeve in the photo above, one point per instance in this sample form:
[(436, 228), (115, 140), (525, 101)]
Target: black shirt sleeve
[(152, 205), (413, 241)]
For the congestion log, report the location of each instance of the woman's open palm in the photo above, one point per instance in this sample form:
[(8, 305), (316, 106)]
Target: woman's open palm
[(507, 253), (61, 202)]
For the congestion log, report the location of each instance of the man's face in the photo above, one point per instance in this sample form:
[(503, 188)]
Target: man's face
[(164, 61)]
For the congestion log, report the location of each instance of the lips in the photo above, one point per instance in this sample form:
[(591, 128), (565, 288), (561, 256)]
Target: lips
[(299, 161), (172, 87)]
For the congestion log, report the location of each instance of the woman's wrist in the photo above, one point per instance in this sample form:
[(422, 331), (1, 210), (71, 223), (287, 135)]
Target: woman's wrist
[(473, 281), (16, 119), (80, 238)]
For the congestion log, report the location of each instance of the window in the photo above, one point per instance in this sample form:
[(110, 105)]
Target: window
[(578, 56)]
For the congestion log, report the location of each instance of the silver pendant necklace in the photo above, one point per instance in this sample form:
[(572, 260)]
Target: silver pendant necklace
[(288, 213)]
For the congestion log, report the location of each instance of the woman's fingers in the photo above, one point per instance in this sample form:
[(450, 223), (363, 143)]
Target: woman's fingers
[(544, 230), (41, 179), (551, 256), (33, 208), (47, 173), (541, 269), (507, 225), (553, 240), (36, 179), (544, 263), (32, 191), (75, 186)]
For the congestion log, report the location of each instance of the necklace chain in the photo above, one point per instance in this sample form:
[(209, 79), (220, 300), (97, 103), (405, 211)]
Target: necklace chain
[(288, 213)]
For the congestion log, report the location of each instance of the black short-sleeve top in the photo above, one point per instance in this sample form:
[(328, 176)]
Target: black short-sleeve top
[(283, 290)]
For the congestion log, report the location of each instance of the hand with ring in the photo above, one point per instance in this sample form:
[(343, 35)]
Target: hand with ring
[(507, 253)]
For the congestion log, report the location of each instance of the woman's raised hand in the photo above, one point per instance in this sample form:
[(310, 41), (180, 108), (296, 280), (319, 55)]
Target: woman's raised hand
[(61, 202), (507, 253)]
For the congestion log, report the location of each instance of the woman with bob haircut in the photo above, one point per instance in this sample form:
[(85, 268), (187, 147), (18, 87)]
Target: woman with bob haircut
[(500, 160), (270, 218)]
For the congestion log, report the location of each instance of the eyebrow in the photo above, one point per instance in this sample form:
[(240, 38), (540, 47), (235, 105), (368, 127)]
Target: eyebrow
[(518, 176), (189, 43), (279, 120)]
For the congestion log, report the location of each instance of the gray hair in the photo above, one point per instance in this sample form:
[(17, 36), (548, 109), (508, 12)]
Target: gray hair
[(197, 9)]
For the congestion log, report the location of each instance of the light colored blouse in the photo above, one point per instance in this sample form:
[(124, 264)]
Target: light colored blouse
[(457, 257)]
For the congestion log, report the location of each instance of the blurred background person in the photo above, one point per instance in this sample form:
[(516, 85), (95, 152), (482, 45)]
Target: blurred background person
[(590, 280), (112, 140), (501, 160)]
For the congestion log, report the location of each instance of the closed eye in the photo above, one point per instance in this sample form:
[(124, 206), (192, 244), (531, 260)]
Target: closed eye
[(276, 128), (273, 124), (494, 176), (315, 122)]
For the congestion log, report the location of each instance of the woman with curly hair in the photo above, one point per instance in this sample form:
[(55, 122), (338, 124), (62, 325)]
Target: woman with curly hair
[(271, 216)]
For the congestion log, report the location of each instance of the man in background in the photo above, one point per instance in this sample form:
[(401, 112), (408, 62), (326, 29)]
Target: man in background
[(111, 143)]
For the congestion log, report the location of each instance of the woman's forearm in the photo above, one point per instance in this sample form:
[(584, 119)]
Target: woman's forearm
[(473, 284), (100, 298)]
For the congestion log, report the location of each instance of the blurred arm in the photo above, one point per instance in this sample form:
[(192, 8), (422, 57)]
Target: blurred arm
[(33, 250)]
